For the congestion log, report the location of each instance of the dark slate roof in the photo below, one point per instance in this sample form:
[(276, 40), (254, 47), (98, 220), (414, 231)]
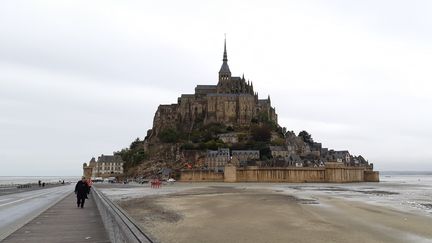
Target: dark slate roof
[(245, 152), (220, 151), (224, 68), (110, 159), (165, 171), (343, 152), (294, 158), (206, 87), (277, 148), (229, 95)]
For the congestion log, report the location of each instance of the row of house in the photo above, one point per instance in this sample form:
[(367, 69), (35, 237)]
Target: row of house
[(282, 156), (217, 159)]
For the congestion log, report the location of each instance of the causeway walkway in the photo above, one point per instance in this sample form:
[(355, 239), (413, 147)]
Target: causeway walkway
[(64, 222)]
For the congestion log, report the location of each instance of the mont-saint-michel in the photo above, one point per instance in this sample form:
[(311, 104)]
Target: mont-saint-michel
[(225, 132), (232, 173), (137, 121)]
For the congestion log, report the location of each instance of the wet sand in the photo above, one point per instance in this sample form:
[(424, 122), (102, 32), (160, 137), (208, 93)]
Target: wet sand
[(236, 214)]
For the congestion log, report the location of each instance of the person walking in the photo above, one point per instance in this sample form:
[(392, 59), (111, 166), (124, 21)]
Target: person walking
[(81, 190), (89, 183)]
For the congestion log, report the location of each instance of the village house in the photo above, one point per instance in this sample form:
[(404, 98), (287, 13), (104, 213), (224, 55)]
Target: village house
[(105, 166), (109, 165), (245, 155), (342, 156), (217, 159), (279, 151), (293, 160)]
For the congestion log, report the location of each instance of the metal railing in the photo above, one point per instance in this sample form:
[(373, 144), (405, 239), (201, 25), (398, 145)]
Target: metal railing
[(118, 224)]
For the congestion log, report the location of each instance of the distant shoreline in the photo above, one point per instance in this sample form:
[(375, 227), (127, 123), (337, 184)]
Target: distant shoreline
[(18, 180), (390, 172), (40, 176)]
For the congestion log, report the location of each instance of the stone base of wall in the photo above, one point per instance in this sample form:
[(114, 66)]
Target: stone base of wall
[(371, 176), (230, 173)]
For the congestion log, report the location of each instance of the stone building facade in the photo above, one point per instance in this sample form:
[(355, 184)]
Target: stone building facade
[(217, 159), (232, 101), (105, 166), (279, 151), (245, 155)]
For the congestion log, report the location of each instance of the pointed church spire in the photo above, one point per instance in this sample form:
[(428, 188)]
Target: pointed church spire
[(225, 71), (225, 56)]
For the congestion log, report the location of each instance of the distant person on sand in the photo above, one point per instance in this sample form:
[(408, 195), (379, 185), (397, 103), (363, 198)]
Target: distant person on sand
[(81, 190)]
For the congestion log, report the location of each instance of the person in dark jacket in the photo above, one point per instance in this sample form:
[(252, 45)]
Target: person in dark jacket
[(81, 191)]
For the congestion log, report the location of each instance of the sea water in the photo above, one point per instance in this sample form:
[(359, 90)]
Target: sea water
[(406, 191), (9, 180)]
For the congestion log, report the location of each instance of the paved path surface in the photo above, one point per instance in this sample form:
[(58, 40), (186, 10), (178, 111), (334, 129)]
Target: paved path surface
[(64, 222), (19, 208)]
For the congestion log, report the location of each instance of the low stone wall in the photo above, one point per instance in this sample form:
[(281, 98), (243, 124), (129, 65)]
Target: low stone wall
[(119, 226), (201, 175), (332, 173)]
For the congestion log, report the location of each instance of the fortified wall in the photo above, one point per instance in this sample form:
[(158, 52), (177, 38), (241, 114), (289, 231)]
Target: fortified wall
[(332, 173)]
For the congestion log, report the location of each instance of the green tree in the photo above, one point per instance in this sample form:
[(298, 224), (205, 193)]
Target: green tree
[(132, 157), (135, 143), (261, 133), (307, 138), (169, 135), (278, 142)]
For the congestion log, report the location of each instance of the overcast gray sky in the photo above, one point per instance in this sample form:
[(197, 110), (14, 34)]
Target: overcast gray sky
[(84, 78)]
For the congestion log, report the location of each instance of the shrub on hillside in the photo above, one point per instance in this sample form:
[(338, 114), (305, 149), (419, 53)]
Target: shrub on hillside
[(261, 133), (169, 135)]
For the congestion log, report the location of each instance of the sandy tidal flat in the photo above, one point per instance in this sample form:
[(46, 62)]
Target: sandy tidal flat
[(247, 214)]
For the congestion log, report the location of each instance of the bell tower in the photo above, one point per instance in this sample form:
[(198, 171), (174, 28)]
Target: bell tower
[(224, 73)]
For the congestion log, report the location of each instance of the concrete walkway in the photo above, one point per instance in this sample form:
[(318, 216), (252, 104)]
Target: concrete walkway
[(64, 222)]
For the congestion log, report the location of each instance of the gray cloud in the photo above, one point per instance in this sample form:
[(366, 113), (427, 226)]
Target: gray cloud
[(83, 78)]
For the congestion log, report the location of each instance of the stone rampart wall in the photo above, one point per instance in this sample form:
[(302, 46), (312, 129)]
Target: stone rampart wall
[(344, 174), (295, 175), (331, 174), (201, 175)]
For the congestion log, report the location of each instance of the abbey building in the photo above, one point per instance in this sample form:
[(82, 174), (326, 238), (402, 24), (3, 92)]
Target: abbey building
[(232, 102)]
